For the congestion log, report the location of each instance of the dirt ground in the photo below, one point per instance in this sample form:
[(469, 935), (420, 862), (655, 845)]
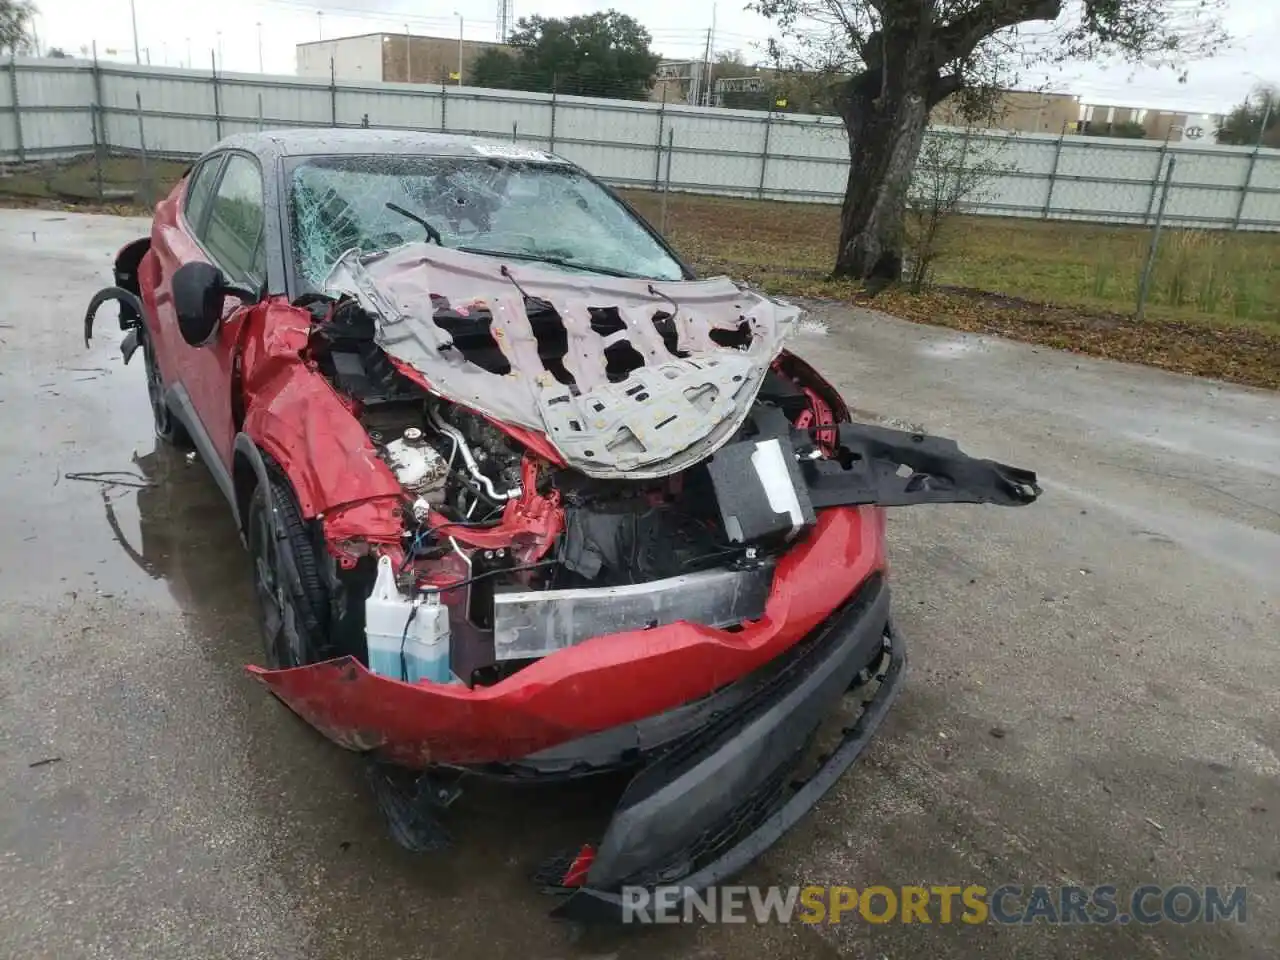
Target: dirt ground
[(1093, 694)]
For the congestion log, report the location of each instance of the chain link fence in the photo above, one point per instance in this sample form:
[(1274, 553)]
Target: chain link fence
[(59, 108), (700, 174)]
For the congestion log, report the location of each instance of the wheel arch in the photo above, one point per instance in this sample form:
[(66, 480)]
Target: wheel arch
[(248, 471)]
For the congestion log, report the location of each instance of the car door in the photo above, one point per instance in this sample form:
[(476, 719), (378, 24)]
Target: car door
[(173, 243), (226, 231)]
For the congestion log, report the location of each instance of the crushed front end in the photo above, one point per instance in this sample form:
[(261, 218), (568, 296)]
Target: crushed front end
[(634, 532)]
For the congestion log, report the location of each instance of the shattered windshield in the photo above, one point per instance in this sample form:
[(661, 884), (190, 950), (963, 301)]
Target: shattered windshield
[(525, 210)]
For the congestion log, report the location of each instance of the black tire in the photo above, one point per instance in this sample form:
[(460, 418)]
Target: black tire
[(293, 603), (168, 427)]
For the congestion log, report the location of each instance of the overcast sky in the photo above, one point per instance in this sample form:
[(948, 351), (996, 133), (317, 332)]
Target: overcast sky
[(173, 32)]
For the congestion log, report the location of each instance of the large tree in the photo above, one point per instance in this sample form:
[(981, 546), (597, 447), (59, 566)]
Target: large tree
[(15, 26), (900, 58), (597, 55), (1256, 122)]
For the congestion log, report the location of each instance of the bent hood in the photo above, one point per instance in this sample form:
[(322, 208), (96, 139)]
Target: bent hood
[(668, 413)]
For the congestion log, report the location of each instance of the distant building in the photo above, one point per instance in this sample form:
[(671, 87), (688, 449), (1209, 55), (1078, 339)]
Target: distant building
[(1173, 125), (392, 58), (1018, 111), (680, 81), (683, 81)]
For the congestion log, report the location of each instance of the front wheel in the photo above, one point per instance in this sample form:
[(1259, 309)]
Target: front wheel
[(168, 427), (292, 599)]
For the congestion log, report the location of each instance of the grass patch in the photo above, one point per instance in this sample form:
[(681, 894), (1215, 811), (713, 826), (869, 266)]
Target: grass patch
[(1200, 276), (76, 183), (1213, 308)]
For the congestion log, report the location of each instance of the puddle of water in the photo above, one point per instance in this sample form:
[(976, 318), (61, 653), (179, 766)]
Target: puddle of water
[(953, 348)]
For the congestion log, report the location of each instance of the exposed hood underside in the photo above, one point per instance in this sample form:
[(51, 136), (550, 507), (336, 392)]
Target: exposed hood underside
[(664, 417)]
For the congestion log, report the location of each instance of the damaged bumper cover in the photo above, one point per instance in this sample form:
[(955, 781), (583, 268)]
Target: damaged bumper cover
[(604, 682), (713, 803)]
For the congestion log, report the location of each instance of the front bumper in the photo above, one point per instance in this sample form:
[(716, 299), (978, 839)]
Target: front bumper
[(599, 684), (706, 808)]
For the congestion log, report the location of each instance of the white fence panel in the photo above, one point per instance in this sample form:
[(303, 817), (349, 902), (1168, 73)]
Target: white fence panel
[(623, 165), (1266, 173), (808, 137), (811, 181), (54, 112), (1261, 208), (732, 152), (294, 105)]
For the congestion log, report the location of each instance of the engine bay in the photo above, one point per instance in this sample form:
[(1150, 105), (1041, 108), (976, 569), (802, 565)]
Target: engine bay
[(526, 554)]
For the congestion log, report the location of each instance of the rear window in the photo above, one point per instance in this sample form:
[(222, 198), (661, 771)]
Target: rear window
[(199, 188), (233, 233)]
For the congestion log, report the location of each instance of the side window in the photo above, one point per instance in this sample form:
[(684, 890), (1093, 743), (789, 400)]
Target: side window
[(200, 187), (233, 233)]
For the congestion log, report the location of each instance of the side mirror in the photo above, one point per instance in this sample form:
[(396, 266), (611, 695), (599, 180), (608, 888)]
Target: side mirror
[(199, 290)]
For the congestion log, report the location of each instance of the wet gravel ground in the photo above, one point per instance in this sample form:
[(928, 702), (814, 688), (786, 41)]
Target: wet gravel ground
[(1093, 694)]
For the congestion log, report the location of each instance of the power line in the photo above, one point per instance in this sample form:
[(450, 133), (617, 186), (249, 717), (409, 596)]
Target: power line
[(358, 14)]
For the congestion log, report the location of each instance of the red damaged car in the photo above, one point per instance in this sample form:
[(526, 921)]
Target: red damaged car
[(523, 497)]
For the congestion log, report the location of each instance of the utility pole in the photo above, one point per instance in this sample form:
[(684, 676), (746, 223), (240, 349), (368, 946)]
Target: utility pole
[(260, 70), (133, 15), (320, 24), (711, 52), (460, 32), (704, 87), (704, 80), (408, 55), (506, 17)]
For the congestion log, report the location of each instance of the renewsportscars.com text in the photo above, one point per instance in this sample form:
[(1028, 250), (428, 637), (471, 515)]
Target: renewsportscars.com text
[(972, 904)]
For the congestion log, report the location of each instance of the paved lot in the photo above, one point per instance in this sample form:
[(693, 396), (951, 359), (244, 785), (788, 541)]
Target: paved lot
[(1094, 695)]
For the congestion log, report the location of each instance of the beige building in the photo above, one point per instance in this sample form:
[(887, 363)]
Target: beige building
[(1172, 125), (1020, 111), (1024, 111), (392, 58)]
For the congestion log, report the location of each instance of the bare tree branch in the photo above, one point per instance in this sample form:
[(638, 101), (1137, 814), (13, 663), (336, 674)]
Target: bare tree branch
[(960, 37), (945, 86)]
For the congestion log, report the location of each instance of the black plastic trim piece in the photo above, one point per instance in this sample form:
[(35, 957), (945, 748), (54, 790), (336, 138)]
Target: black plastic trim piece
[(128, 301), (866, 469), (245, 447), (654, 816), (630, 745)]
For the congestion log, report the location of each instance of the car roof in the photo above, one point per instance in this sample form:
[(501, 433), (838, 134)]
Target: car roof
[(272, 145)]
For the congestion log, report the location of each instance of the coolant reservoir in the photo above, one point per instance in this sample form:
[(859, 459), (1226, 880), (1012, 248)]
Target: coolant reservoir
[(408, 637)]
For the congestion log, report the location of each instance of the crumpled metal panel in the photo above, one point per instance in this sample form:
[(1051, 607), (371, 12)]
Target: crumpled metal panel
[(664, 417), (535, 623), (684, 405)]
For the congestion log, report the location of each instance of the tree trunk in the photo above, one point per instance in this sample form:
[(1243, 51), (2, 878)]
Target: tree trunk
[(885, 122)]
